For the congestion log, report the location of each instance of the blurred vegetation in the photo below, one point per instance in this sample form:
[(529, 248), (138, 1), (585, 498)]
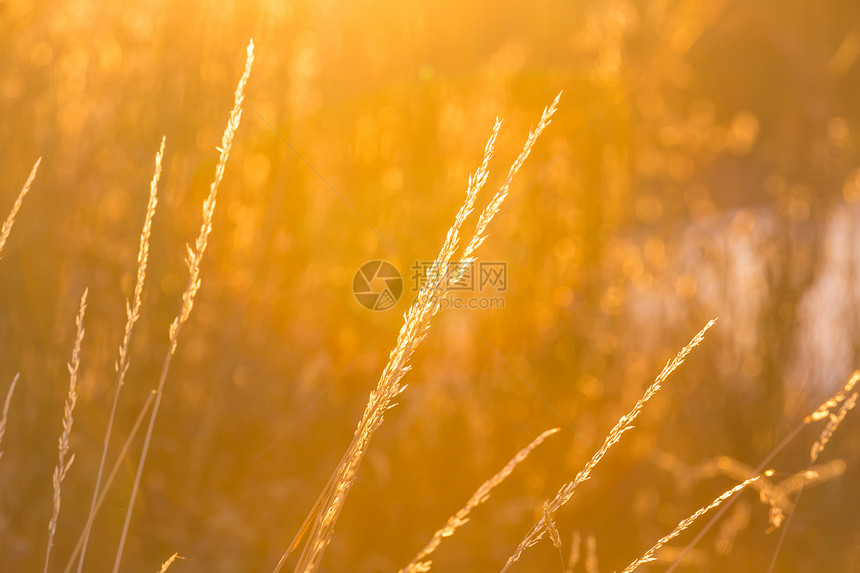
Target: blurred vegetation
[(704, 162)]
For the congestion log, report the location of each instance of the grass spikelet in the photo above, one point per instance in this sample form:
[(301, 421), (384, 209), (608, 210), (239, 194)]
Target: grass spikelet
[(420, 562), (10, 220), (552, 530), (625, 423), (193, 260), (774, 494), (648, 556), (826, 410), (5, 415), (68, 419), (494, 206), (554, 536), (832, 423), (323, 516), (132, 314), (168, 563), (828, 407), (845, 400), (770, 493)]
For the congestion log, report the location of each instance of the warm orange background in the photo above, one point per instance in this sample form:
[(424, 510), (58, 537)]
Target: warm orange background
[(703, 163)]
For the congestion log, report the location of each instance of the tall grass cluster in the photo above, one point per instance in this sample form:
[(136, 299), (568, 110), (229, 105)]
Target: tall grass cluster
[(288, 429), (446, 272)]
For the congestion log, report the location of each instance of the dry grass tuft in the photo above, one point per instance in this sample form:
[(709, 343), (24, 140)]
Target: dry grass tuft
[(10, 220), (625, 423), (68, 419), (420, 563), (193, 260), (326, 510)]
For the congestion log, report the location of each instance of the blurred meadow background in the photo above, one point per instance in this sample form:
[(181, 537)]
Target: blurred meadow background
[(703, 162)]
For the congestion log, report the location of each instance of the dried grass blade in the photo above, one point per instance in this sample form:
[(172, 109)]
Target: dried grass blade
[(194, 260), (625, 423), (68, 420), (420, 562), (6, 405), (648, 556), (132, 314), (10, 220), (416, 324)]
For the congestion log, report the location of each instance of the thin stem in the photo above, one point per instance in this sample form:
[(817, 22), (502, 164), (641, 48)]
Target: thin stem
[(109, 481), (133, 312), (193, 260), (722, 510)]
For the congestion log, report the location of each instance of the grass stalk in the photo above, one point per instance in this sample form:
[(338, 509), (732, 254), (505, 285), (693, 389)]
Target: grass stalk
[(68, 419), (834, 410), (193, 260), (826, 410), (6, 230), (420, 563), (625, 423), (648, 556), (321, 521), (112, 474), (132, 314)]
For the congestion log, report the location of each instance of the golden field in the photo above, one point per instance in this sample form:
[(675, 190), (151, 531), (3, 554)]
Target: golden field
[(701, 162)]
